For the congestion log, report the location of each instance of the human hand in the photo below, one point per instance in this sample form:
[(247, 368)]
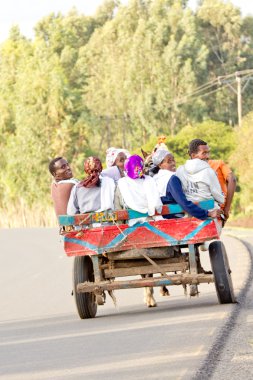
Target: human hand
[(214, 213), (223, 219), (226, 213)]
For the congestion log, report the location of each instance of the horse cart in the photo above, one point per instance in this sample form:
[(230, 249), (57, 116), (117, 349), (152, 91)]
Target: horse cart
[(106, 249)]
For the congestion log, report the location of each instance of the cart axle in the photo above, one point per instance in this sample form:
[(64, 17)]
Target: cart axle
[(88, 287)]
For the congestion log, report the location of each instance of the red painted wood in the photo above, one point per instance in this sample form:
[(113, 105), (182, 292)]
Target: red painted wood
[(141, 237)]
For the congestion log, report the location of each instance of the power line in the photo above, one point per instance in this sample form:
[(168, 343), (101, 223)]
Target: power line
[(206, 94), (223, 82), (201, 89)]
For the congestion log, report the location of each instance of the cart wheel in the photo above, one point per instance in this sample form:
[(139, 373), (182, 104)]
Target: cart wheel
[(222, 272), (85, 302)]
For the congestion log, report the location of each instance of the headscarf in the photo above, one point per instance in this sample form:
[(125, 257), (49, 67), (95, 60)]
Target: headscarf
[(92, 167), (159, 156), (112, 154), (134, 167)]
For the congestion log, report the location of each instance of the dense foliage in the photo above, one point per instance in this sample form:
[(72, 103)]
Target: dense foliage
[(121, 78)]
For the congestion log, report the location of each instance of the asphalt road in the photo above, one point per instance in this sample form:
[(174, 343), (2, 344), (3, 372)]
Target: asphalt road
[(235, 358), (41, 336)]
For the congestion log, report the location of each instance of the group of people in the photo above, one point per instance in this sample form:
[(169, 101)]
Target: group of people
[(125, 184)]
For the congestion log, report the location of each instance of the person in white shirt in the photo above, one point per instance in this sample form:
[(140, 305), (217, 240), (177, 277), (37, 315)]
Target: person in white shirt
[(199, 180), (94, 193), (137, 191)]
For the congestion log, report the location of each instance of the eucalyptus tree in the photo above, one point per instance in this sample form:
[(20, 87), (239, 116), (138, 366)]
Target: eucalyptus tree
[(176, 55), (104, 66), (64, 38), (39, 127), (141, 64), (246, 58), (13, 53), (242, 160), (220, 28)]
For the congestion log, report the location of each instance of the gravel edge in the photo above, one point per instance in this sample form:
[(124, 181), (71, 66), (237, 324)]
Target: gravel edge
[(209, 364)]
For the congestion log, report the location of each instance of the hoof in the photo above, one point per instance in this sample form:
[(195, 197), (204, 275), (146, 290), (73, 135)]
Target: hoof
[(152, 305), (100, 298), (194, 290), (164, 292), (150, 302)]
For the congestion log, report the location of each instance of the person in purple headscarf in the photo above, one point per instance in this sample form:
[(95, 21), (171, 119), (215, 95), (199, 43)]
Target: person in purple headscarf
[(137, 191), (134, 167)]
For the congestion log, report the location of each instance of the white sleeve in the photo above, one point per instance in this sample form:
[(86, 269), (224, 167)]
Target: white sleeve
[(215, 187), (107, 194), (153, 196), (73, 208)]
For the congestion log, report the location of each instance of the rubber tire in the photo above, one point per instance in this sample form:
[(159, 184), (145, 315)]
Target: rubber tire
[(82, 272), (221, 272)]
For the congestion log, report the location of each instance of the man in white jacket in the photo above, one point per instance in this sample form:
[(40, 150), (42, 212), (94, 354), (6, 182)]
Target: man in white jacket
[(198, 179)]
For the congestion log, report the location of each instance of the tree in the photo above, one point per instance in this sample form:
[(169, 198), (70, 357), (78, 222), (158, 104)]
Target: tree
[(219, 136), (242, 160), (141, 64), (13, 53), (220, 26)]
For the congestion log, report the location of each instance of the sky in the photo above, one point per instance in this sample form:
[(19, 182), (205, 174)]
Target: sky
[(26, 13)]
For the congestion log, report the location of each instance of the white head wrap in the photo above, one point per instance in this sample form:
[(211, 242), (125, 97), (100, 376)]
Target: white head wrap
[(159, 156), (112, 153)]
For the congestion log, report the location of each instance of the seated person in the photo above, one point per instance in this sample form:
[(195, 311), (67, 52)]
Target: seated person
[(62, 184), (170, 187), (200, 149), (137, 191), (148, 157), (115, 159), (199, 181), (94, 193)]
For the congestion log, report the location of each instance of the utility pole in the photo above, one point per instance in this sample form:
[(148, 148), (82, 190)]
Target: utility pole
[(239, 97), (240, 77)]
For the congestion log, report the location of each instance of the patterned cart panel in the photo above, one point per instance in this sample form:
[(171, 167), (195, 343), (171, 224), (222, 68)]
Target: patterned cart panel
[(113, 238)]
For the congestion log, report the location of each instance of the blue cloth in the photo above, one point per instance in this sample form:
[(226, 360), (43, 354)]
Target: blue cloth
[(175, 194)]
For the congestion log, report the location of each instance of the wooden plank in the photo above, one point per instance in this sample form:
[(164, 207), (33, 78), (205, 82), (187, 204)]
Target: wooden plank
[(141, 262), (154, 253), (186, 278), (146, 269), (120, 215), (96, 268), (192, 259)]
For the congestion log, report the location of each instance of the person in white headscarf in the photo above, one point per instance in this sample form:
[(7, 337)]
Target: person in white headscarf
[(115, 160)]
